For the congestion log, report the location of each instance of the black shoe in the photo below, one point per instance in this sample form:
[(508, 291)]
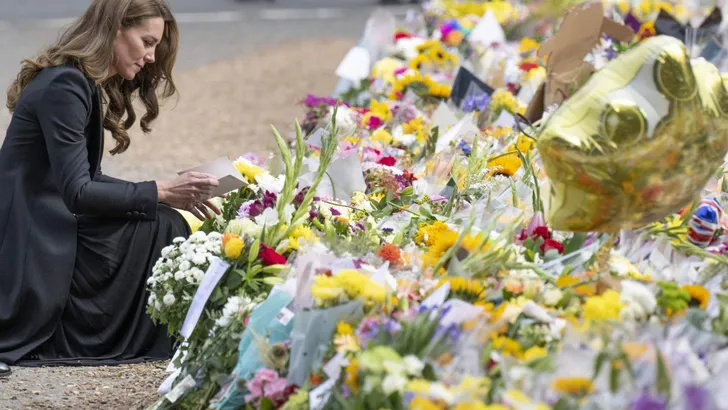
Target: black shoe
[(4, 370)]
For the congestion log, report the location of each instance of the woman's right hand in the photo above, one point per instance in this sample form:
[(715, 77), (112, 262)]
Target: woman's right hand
[(190, 192)]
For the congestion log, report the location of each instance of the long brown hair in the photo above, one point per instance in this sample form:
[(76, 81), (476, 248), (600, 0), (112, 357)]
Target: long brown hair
[(88, 44)]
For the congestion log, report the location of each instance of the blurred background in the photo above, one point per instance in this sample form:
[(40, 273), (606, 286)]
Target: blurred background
[(243, 65)]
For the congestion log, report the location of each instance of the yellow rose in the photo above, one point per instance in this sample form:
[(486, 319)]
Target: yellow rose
[(232, 245)]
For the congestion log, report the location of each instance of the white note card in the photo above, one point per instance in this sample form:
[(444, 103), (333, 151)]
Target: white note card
[(488, 30), (228, 176), (214, 273), (355, 66), (318, 396)]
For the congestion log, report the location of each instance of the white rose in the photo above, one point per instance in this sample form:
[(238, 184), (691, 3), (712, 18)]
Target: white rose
[(169, 299)]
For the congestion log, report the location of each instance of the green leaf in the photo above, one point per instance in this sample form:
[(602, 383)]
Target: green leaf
[(614, 379), (234, 280), (663, 383), (722, 297), (575, 243), (598, 363), (217, 295), (266, 404)]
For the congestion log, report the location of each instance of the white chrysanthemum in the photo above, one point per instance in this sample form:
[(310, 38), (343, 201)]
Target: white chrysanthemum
[(639, 301), (179, 275), (166, 250), (199, 259), (169, 299)]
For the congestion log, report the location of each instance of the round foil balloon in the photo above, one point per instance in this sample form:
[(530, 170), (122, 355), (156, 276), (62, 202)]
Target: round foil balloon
[(637, 142)]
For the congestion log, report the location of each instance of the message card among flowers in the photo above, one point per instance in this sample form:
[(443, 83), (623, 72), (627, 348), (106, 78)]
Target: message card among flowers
[(518, 207)]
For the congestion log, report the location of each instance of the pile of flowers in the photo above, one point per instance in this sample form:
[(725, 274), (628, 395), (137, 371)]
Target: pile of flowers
[(402, 259)]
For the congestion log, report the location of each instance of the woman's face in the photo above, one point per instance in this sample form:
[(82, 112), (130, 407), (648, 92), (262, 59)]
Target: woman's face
[(135, 46)]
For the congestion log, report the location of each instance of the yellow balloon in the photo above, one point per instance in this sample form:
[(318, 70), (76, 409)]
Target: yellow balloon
[(637, 142)]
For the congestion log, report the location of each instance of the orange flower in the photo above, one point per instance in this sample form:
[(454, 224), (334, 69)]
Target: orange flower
[(390, 253)]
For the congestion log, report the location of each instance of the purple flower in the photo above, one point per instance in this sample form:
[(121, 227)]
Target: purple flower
[(368, 329), (648, 402), (244, 210), (465, 147), (387, 230), (314, 101), (334, 212), (698, 398)]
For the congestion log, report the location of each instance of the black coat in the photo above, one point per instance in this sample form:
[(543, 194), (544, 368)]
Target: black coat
[(49, 175)]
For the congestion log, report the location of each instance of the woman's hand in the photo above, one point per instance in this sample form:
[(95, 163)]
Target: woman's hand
[(191, 192)]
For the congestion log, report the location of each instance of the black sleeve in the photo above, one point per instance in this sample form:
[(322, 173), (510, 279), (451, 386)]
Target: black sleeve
[(63, 112), (100, 177)]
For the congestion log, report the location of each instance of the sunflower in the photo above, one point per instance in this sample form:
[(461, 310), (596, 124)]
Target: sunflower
[(440, 90), (419, 61), (699, 296), (464, 289)]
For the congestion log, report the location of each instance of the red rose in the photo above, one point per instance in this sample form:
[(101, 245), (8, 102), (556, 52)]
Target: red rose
[(270, 257), (542, 232), (552, 244), (398, 35), (388, 161), (528, 66)]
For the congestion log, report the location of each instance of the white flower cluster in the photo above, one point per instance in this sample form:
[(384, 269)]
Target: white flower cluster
[(181, 268), (234, 306)]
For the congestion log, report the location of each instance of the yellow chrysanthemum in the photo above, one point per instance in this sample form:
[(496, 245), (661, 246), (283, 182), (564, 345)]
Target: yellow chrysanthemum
[(343, 328), (383, 136), (423, 403), (534, 353), (301, 232), (426, 235), (603, 307), (503, 100), (508, 346), (352, 375), (573, 386), (528, 45), (248, 169)]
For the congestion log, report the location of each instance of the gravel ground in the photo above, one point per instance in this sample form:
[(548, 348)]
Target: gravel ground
[(224, 108)]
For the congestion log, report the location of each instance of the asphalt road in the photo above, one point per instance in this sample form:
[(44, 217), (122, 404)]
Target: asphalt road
[(210, 30)]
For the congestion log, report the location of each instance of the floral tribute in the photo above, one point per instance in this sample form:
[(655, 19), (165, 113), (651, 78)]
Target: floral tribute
[(403, 260)]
